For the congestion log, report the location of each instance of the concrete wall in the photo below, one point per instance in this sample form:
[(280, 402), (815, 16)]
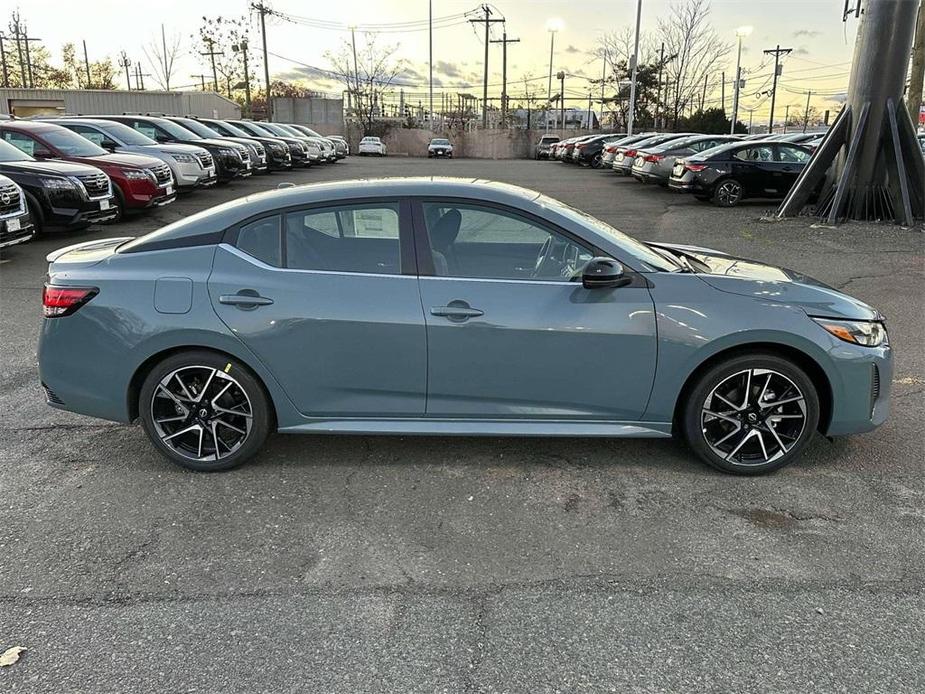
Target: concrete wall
[(27, 102), (326, 116), (475, 144)]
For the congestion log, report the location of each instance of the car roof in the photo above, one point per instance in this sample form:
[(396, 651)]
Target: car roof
[(33, 126)]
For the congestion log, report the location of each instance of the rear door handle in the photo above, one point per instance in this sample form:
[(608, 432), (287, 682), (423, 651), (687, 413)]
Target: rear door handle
[(244, 300), (456, 312)]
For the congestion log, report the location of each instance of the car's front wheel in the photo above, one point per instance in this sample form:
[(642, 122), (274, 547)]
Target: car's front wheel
[(728, 193), (204, 411), (751, 414)]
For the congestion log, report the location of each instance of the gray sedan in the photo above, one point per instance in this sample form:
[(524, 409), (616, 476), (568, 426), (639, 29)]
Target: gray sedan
[(654, 164), (449, 307)]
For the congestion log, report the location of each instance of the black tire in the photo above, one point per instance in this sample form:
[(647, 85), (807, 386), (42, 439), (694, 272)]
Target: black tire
[(723, 194), (192, 362), (120, 206), (791, 424), (35, 214), (596, 162)]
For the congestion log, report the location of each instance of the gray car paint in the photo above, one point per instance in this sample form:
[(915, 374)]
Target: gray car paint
[(350, 352)]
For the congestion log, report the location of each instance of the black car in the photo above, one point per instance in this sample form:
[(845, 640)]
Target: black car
[(730, 173), (257, 152), (232, 160), (15, 222), (590, 152), (278, 156), (298, 150), (59, 195)]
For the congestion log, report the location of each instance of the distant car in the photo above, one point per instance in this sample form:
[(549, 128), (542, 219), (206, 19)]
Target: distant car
[(611, 147), (257, 152), (730, 173), (326, 152), (625, 156), (15, 222), (343, 141), (440, 147), (449, 307), (338, 144), (590, 152), (371, 145), (797, 138), (140, 181), (298, 148), (192, 166), (277, 150), (543, 146), (565, 151), (59, 196), (654, 164)]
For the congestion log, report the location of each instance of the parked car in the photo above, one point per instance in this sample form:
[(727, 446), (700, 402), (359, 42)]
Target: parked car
[(625, 156), (591, 151), (921, 137), (610, 148), (654, 164), (232, 160), (543, 147), (278, 155), (139, 181), (298, 148), (308, 310), (440, 147), (733, 172), (192, 166), (15, 221), (565, 151), (371, 145), (59, 196), (256, 150), (343, 141), (338, 143), (797, 138), (324, 148)]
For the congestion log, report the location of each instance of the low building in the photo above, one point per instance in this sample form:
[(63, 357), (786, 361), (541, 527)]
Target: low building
[(59, 102)]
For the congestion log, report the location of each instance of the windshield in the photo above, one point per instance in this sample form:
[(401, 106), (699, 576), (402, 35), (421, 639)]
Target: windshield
[(639, 250), (125, 134), (71, 144), (10, 153), (233, 129), (289, 130), (199, 128), (274, 129), (308, 131), (175, 130), (439, 141)]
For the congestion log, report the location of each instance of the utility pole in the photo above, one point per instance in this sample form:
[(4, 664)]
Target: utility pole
[(488, 21), (166, 67), (356, 72), (242, 49), (661, 65), (703, 96), (212, 53), (264, 10), (777, 53), (786, 116), (589, 110), (603, 79), (87, 64), (504, 41), (126, 63), (6, 75), (740, 33), (202, 79), (26, 39), (632, 108), (561, 77), (917, 73), (22, 62), (806, 112), (722, 92), (430, 57)]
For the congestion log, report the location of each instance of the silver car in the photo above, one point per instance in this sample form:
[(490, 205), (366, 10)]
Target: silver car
[(655, 164), (192, 166), (449, 307)]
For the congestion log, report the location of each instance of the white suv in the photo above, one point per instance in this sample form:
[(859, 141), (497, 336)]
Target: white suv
[(371, 145)]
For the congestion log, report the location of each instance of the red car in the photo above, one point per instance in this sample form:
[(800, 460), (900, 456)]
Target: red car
[(139, 181)]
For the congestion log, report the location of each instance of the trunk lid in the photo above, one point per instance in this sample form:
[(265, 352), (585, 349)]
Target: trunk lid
[(82, 255)]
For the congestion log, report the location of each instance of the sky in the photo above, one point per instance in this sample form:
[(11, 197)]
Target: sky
[(822, 44)]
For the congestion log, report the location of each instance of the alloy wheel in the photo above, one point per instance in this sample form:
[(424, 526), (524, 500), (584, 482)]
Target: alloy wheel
[(728, 193), (753, 417), (201, 413)]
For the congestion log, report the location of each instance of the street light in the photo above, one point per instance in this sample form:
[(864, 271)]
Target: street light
[(553, 25), (740, 33)]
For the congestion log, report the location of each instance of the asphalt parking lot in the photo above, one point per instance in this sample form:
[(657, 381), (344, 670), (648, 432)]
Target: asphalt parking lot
[(367, 564)]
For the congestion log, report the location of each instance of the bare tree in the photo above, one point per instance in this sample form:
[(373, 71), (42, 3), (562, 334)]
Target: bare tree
[(694, 52), (366, 74), (162, 54)]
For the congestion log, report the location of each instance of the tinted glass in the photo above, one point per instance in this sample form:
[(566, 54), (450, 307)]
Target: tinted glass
[(758, 153), (176, 131), (485, 242), (792, 154), (23, 143), (348, 238), (228, 129), (261, 239), (199, 128), (126, 135), (10, 153)]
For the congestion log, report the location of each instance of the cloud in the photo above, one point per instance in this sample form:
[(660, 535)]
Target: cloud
[(572, 49), (802, 50), (839, 98), (448, 69), (808, 33)]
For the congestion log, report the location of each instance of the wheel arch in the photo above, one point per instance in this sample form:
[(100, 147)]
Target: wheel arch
[(145, 368), (806, 362)]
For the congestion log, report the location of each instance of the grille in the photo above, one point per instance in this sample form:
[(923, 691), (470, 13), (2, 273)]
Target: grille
[(162, 174), (50, 395), (9, 199), (261, 152), (97, 184), (205, 158), (245, 155), (874, 388)]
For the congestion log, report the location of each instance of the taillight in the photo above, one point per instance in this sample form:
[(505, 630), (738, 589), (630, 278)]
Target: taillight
[(611, 150), (695, 167), (629, 152), (63, 301), (654, 158)]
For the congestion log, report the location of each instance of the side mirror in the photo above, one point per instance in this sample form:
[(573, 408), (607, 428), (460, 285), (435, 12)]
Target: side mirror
[(108, 145), (604, 273), (41, 153)]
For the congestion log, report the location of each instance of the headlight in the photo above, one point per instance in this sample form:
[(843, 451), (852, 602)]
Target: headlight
[(184, 158), (228, 152), (858, 332), (57, 183), (138, 174)]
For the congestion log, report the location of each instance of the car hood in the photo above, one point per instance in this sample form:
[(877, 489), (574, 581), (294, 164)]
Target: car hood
[(137, 161), (169, 148), (51, 168), (746, 277)]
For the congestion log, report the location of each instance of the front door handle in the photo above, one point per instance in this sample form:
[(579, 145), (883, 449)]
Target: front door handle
[(246, 298), (456, 310)]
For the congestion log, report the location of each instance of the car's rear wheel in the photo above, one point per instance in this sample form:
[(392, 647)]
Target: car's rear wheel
[(596, 162), (204, 411), (728, 193), (751, 414)]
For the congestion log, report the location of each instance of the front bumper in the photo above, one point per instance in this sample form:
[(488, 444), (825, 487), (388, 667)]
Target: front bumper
[(861, 387), (16, 229), (440, 152)]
